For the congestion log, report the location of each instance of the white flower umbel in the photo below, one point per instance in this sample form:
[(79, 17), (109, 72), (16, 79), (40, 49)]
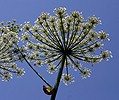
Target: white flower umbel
[(9, 53), (69, 36)]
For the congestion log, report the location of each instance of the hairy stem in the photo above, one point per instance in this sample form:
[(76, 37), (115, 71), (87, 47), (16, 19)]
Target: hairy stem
[(53, 96)]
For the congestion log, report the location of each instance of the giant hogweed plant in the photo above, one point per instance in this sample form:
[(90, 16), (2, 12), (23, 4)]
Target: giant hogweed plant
[(58, 42)]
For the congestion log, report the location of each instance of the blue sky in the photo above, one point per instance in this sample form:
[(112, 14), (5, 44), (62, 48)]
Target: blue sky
[(104, 81)]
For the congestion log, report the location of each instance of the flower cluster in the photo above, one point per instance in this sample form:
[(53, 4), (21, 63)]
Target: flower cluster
[(65, 35), (9, 53)]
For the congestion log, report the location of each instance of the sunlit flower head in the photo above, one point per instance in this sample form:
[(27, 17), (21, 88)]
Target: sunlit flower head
[(67, 38), (9, 53)]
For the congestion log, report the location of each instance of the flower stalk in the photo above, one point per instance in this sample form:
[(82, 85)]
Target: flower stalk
[(37, 73), (33, 68), (53, 96)]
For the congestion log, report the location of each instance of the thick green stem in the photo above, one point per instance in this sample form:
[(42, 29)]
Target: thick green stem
[(53, 96)]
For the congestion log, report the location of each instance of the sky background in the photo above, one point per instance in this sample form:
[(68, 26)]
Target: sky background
[(104, 81)]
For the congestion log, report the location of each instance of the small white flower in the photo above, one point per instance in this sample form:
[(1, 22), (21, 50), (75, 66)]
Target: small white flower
[(31, 57), (98, 45), (30, 46), (77, 15), (13, 34), (35, 29), (52, 68), (44, 16), (106, 55), (60, 12), (102, 35), (36, 53), (15, 40), (7, 76), (67, 79), (48, 60), (13, 66), (38, 63), (26, 27), (25, 36), (94, 21), (4, 29), (52, 19), (20, 72), (85, 73)]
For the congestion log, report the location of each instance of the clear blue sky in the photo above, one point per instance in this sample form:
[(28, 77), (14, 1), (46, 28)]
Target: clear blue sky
[(104, 81)]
